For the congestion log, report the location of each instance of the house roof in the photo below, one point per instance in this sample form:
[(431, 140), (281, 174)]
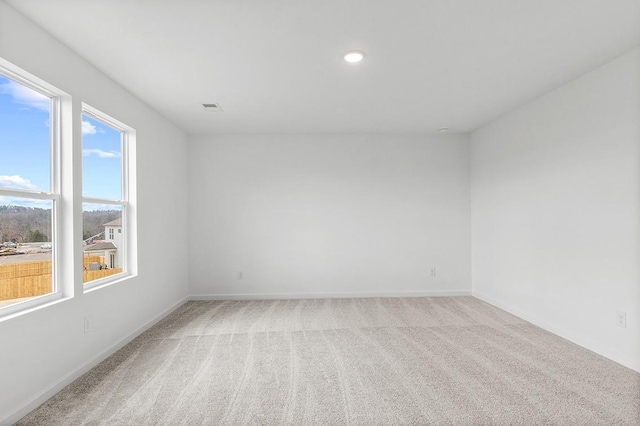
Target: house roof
[(103, 245), (117, 222)]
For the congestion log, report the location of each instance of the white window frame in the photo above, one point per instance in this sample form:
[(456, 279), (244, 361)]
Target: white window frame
[(127, 201), (19, 75)]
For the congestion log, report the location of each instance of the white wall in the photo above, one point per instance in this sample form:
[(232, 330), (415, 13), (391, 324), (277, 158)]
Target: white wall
[(42, 349), (555, 200), (313, 215), (555, 210)]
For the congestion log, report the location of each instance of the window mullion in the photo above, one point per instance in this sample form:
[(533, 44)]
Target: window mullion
[(92, 200), (28, 194)]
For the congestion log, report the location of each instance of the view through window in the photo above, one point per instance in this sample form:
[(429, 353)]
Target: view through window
[(105, 197), (27, 197)]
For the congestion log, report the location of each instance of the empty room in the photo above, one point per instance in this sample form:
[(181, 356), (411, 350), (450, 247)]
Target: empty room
[(332, 213)]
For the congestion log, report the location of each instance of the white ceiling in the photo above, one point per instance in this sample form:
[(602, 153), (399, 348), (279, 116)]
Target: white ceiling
[(276, 66)]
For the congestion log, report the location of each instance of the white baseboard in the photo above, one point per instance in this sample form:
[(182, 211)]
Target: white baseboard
[(345, 295), (565, 334), (48, 393)]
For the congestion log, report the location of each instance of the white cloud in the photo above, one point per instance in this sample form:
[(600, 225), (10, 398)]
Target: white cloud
[(17, 182), (24, 95), (88, 128), (100, 153)]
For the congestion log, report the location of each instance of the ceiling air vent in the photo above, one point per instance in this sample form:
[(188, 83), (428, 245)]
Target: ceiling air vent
[(212, 107)]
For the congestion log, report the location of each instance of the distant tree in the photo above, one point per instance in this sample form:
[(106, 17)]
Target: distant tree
[(93, 221), (36, 236), (30, 224), (18, 223)]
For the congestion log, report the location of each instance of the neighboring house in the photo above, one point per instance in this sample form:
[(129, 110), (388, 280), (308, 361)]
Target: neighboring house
[(106, 249), (113, 239)]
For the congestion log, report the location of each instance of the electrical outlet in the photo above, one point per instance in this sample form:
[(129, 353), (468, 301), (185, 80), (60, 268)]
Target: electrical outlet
[(88, 326), (432, 272), (622, 319), (240, 275)]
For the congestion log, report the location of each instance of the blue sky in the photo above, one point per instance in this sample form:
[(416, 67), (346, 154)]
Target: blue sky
[(101, 160), (25, 151)]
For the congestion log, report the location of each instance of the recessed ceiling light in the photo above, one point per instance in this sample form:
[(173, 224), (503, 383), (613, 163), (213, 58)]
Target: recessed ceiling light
[(443, 129), (354, 56)]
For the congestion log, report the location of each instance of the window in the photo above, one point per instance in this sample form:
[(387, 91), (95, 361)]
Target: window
[(29, 189), (106, 148), (37, 194)]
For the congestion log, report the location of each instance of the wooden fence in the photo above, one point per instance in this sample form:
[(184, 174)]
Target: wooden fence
[(89, 275), (96, 275), (86, 260), (27, 279), (30, 279)]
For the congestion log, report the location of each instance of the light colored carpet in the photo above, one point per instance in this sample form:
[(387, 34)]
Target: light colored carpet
[(383, 361)]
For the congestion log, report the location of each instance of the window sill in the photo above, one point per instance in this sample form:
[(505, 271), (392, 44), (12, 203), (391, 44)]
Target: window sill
[(107, 281), (31, 305)]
